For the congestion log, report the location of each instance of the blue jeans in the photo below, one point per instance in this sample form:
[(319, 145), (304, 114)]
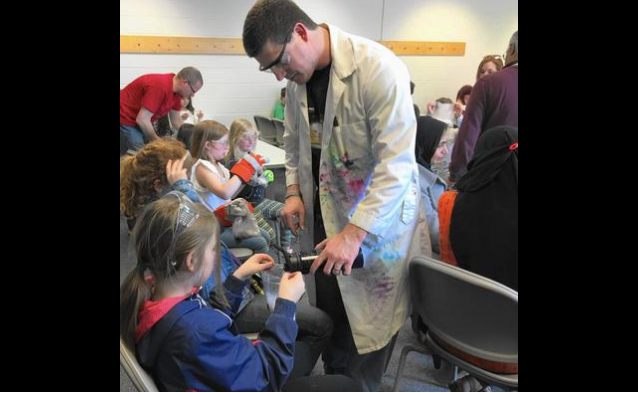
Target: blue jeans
[(259, 244), (134, 137)]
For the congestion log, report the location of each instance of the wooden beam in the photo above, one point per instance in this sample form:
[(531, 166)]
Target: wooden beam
[(181, 45), (234, 46), (425, 48)]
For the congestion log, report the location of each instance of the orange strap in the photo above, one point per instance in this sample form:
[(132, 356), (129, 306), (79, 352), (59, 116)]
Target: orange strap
[(446, 205), (489, 365)]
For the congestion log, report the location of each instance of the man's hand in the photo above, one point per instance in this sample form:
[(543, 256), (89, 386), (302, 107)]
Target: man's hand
[(294, 209), (339, 251)]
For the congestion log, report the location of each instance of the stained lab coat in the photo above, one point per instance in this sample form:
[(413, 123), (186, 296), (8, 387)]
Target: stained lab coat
[(368, 177)]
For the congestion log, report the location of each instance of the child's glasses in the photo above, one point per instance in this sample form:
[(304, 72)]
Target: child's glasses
[(250, 137), (220, 143)]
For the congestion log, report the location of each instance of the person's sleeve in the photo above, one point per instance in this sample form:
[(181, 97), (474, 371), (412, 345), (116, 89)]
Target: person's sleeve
[(234, 363), (432, 216), (233, 291), (185, 186), (393, 127), (431, 209), (291, 141), (469, 131)]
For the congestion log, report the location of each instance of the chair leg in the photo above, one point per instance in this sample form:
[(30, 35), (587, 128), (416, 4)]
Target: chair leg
[(404, 354), (469, 384), (437, 361)]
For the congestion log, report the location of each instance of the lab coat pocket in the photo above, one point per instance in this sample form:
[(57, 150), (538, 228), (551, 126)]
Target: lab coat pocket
[(356, 140), (351, 164)]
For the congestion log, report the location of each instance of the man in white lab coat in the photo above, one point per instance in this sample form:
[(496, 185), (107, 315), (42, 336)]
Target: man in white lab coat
[(350, 126)]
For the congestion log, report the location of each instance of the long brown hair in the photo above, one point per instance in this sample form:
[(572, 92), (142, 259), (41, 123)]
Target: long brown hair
[(162, 243), (205, 131), (139, 172)]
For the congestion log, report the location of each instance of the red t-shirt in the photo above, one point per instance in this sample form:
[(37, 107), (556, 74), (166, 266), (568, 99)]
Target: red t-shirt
[(153, 92)]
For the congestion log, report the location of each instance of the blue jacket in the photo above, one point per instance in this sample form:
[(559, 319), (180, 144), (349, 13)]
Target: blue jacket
[(230, 263), (194, 347), (432, 187)]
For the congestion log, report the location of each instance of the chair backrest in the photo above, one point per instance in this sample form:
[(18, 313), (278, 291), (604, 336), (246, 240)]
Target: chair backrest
[(267, 130), (472, 313), (140, 378), (279, 126)]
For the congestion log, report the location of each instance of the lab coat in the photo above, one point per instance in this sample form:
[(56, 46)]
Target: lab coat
[(368, 177)]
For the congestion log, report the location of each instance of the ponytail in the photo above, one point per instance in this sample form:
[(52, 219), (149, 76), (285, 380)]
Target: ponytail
[(133, 293)]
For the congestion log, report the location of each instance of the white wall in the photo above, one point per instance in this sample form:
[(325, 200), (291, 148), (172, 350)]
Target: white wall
[(484, 25), (234, 88)]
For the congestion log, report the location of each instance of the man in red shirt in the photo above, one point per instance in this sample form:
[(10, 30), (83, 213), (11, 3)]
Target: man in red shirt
[(149, 98)]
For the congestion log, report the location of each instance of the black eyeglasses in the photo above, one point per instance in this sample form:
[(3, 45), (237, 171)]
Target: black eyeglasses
[(278, 59), (191, 86)]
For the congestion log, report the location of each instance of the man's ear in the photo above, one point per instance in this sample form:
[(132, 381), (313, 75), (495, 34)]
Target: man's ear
[(302, 31)]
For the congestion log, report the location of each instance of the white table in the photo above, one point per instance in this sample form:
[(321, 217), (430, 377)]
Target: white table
[(276, 155), (277, 189)]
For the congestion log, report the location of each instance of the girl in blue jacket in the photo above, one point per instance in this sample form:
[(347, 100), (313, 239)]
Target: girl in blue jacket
[(182, 341)]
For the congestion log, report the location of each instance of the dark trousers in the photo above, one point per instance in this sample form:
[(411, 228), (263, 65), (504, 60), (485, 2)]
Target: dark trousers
[(315, 329), (323, 383), (341, 355)]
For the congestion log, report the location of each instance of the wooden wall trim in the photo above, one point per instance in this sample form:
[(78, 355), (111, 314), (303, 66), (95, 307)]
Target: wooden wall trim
[(233, 46)]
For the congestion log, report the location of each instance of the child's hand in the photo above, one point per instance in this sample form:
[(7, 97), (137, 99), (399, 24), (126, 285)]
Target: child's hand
[(175, 170), (292, 286), (255, 264), (199, 114), (184, 115)]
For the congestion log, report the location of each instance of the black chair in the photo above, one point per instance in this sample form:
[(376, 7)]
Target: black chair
[(279, 126), (472, 322), (267, 130)]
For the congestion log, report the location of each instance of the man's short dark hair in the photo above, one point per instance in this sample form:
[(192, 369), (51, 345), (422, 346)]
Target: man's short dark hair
[(192, 75), (272, 20)]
